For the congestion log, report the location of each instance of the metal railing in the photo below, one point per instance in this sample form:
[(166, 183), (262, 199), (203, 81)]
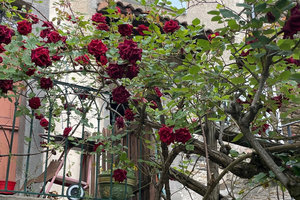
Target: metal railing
[(46, 159)]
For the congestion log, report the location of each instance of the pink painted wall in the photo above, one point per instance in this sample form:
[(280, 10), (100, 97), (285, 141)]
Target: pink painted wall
[(6, 122)]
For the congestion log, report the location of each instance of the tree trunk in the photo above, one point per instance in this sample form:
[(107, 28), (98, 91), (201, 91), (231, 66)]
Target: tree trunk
[(214, 168)]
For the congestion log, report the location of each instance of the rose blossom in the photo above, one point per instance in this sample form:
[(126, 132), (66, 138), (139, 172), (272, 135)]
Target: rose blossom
[(67, 131), (120, 95), (142, 28), (34, 103), (1, 59), (30, 71), (129, 115), (2, 48), (24, 27), (129, 50), (33, 18), (158, 92), (101, 60), (6, 85), (44, 122), (153, 105), (39, 117), (213, 35), (53, 37), (119, 175), (98, 18), (120, 122), (40, 56), (56, 57), (166, 134), (97, 48), (132, 71), (46, 83), (5, 34), (182, 135), (171, 26), (103, 27), (292, 25), (270, 17), (83, 60), (44, 32), (115, 71), (97, 145), (125, 29)]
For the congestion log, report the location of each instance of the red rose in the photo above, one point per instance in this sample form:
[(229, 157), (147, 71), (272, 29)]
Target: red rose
[(244, 54), (103, 27), (292, 25), (182, 135), (115, 71), (125, 29), (270, 17), (2, 49), (171, 26), (48, 25), (129, 50), (129, 115), (98, 18), (166, 134), (158, 92), (24, 27), (46, 83), (120, 122), (40, 56), (39, 117), (120, 95), (153, 105), (67, 131), (34, 103), (33, 18), (291, 60), (119, 175), (45, 32), (141, 28), (1, 59), (132, 71), (44, 122), (97, 145), (213, 35), (97, 48), (6, 85), (30, 71), (5, 34), (101, 60), (53, 37), (82, 60), (56, 57)]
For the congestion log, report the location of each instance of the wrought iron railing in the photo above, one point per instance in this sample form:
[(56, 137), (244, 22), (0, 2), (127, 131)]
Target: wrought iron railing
[(38, 169)]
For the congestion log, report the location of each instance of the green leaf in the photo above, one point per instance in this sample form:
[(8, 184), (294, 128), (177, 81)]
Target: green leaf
[(232, 24), (295, 77), (194, 70), (189, 147), (237, 137), (234, 153), (238, 80), (216, 18), (244, 5), (213, 12), (228, 13), (196, 21), (261, 7)]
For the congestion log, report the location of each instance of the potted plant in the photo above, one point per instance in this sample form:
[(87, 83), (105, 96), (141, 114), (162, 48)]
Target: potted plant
[(119, 182)]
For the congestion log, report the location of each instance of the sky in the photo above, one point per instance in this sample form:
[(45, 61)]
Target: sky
[(177, 3)]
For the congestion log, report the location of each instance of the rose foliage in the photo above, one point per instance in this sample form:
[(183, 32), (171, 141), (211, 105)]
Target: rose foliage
[(179, 84)]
